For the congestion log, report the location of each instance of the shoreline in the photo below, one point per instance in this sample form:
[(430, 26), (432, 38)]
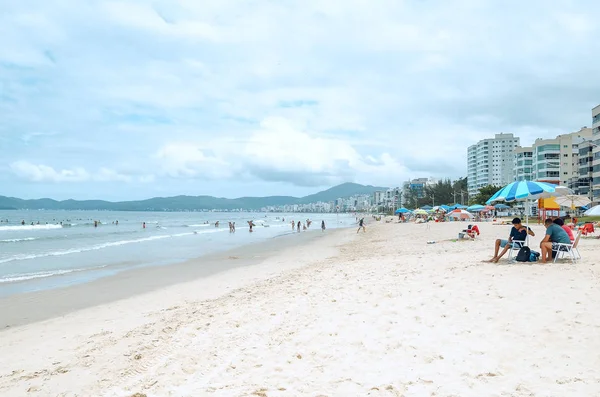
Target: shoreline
[(31, 307)]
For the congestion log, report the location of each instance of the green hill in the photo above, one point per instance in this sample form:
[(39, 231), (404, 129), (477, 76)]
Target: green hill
[(187, 203)]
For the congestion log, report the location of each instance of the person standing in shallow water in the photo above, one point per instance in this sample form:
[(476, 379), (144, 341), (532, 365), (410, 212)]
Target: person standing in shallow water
[(322, 226), (299, 225)]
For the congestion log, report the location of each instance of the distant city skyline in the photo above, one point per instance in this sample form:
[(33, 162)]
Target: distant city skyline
[(129, 100)]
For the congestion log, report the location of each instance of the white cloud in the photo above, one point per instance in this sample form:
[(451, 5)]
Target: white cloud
[(279, 151), (344, 89), (185, 160), (44, 173)]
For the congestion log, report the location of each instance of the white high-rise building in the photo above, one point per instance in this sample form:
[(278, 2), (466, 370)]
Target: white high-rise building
[(491, 162), (556, 160), (596, 154)]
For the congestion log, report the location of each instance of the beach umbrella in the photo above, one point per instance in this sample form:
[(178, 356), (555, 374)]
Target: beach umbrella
[(526, 191), (426, 207), (420, 211), (460, 214), (594, 211), (491, 207), (500, 206), (476, 208), (443, 208), (402, 210), (572, 200)]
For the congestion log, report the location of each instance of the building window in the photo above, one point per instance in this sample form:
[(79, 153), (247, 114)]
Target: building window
[(565, 155)]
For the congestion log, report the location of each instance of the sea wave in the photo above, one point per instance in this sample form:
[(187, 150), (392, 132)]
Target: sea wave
[(28, 227), (12, 278), (17, 240), (96, 247)]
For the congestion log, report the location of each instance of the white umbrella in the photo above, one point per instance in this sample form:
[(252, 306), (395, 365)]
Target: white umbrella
[(572, 200), (594, 211), (460, 214)]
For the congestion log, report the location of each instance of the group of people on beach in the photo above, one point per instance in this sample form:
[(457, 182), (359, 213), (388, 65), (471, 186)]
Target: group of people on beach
[(557, 234)]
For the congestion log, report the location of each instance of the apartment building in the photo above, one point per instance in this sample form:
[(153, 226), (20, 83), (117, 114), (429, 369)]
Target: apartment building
[(491, 162), (596, 154), (416, 186), (523, 165), (556, 160), (582, 184)]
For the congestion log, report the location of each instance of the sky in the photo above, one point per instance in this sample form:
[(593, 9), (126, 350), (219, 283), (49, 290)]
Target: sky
[(126, 99)]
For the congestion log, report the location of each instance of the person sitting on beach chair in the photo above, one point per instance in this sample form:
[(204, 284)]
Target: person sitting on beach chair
[(587, 228), (518, 235), (472, 231)]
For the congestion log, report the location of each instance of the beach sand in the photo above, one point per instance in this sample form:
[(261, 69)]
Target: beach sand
[(380, 313)]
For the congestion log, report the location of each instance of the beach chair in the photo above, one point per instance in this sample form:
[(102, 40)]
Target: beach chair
[(473, 231), (570, 249), (516, 246), (587, 228)]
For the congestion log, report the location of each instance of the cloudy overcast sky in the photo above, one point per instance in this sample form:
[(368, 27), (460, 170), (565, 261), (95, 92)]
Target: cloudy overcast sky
[(134, 99)]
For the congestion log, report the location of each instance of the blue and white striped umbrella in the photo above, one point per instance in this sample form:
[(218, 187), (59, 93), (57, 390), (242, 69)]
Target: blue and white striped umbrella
[(527, 190)]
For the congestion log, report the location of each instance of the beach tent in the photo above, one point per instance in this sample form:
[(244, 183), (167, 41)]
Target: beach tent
[(594, 211), (457, 206), (526, 191), (476, 208)]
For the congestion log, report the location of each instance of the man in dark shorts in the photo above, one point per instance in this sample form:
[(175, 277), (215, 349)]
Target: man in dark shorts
[(361, 225), (554, 235), (517, 237)]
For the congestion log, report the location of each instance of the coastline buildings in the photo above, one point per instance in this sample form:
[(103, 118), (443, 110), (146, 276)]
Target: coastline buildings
[(596, 154), (555, 160), (491, 162), (415, 188)]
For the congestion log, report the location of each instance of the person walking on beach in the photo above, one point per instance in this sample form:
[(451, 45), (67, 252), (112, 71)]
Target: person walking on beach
[(322, 226), (361, 225), (299, 224)]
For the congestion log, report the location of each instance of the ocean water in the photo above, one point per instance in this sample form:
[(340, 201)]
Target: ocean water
[(66, 248)]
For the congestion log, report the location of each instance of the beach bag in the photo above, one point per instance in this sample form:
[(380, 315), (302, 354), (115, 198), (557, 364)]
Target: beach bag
[(523, 255), (534, 256)]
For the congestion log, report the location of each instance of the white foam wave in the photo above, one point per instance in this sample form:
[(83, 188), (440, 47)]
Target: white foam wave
[(28, 227), (17, 240), (11, 278), (84, 249)]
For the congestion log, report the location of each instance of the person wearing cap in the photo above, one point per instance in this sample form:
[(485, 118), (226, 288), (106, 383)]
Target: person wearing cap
[(517, 237)]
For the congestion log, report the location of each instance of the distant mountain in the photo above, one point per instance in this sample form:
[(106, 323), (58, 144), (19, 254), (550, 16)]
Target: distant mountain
[(340, 191), (187, 203)]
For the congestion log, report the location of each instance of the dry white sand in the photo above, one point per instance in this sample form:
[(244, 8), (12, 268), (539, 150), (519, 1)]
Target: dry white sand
[(381, 314)]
